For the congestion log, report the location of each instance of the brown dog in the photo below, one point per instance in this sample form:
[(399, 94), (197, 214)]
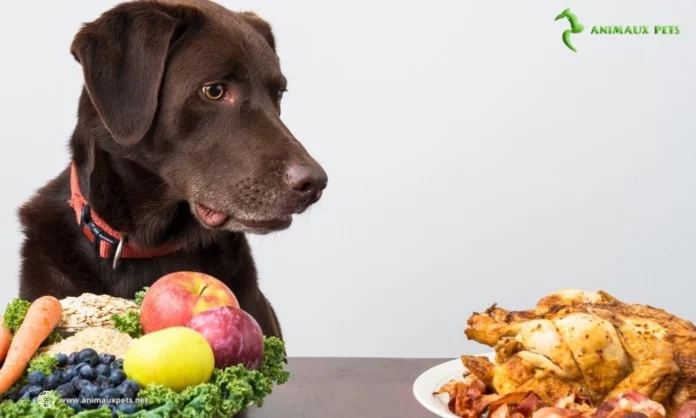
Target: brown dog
[(178, 151)]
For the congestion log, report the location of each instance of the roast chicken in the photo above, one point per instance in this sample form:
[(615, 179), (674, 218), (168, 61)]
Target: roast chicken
[(590, 344)]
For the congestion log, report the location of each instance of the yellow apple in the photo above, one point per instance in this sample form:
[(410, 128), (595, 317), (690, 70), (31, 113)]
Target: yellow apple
[(176, 358)]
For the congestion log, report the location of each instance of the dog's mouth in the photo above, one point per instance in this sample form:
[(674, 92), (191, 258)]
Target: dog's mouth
[(210, 217), (214, 219)]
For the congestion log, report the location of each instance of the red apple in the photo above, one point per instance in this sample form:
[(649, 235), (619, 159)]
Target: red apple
[(234, 335), (175, 298)]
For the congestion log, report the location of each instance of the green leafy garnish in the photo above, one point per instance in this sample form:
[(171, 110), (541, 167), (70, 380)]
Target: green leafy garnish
[(158, 395), (139, 296), (129, 323), (230, 391), (53, 338), (273, 366), (102, 412), (14, 315), (25, 408), (45, 363)]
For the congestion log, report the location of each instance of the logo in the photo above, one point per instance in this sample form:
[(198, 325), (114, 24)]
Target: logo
[(575, 27), (47, 399)]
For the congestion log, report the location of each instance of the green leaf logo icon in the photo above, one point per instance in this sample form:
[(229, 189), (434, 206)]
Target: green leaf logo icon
[(575, 27)]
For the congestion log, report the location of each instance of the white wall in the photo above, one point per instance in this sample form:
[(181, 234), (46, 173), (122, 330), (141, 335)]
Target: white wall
[(472, 158)]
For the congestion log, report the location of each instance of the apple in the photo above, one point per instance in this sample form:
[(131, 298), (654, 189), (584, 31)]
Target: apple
[(234, 335), (176, 357), (175, 298)]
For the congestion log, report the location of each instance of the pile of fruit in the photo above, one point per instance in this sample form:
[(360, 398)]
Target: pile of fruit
[(196, 354)]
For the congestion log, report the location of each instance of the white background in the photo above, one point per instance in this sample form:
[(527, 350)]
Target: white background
[(472, 159)]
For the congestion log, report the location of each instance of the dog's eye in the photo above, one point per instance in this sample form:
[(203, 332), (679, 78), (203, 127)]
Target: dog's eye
[(280, 94), (214, 91)]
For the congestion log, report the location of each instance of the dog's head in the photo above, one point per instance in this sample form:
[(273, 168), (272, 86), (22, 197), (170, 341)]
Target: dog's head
[(192, 92)]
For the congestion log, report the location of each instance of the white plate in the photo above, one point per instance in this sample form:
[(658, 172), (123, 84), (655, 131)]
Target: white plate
[(431, 380)]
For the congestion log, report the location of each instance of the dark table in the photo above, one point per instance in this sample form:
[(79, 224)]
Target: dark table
[(347, 387)]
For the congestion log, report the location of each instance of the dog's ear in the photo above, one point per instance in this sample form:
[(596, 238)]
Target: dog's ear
[(261, 26), (123, 55)]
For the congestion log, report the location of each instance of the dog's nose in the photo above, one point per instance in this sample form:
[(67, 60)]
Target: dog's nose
[(308, 180)]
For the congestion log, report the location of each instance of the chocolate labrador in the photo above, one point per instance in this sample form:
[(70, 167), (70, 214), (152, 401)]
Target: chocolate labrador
[(179, 151)]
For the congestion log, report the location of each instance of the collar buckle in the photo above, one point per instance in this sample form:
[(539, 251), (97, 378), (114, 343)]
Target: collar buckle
[(96, 235)]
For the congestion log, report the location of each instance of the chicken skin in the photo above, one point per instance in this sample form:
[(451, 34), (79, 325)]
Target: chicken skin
[(590, 344)]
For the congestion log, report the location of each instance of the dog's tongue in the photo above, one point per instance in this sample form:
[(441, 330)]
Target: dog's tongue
[(210, 217)]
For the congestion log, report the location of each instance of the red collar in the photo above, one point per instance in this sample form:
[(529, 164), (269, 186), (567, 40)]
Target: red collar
[(111, 244)]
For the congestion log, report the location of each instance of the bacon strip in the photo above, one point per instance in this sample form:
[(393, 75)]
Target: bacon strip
[(555, 412), (687, 410), (468, 399)]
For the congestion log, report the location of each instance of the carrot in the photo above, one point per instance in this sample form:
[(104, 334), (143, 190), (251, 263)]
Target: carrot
[(41, 318), (5, 339)]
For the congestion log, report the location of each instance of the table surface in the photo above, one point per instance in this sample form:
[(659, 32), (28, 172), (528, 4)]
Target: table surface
[(347, 387)]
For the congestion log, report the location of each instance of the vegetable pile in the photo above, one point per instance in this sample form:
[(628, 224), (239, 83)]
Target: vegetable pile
[(230, 391), (227, 367)]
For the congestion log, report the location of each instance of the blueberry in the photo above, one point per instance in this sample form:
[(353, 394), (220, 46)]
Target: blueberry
[(126, 392), (88, 356), (51, 382), (89, 390), (105, 358), (101, 379), (128, 408), (72, 371), (117, 376), (64, 376), (54, 375), (83, 354), (110, 394), (87, 403), (66, 390), (75, 405), (129, 388), (132, 383), (62, 360), (81, 383), (87, 372), (117, 364), (87, 396), (36, 378), (33, 390), (25, 396), (102, 369), (72, 358)]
